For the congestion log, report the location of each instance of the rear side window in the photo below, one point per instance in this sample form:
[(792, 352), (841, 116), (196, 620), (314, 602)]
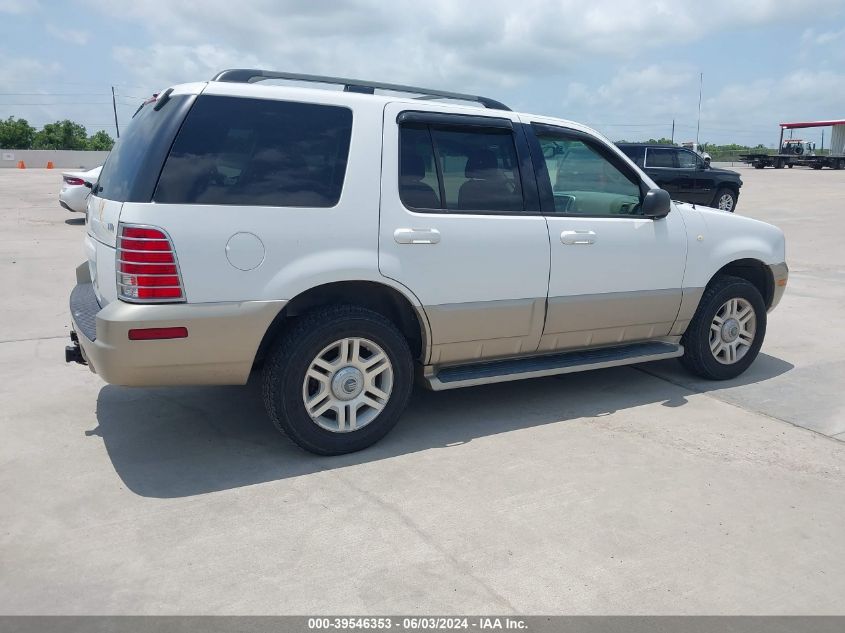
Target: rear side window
[(635, 152), (236, 151), (660, 157), (459, 169), (419, 187)]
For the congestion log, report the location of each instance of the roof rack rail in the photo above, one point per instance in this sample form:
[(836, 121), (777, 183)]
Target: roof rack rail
[(247, 75)]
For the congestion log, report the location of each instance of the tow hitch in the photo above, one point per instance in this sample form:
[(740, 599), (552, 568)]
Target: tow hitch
[(73, 353)]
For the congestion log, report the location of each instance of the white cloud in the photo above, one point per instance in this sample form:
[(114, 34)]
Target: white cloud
[(457, 45), (161, 65), (604, 62), (17, 7), (68, 34), (638, 104), (25, 69), (804, 94), (824, 38), (34, 78)]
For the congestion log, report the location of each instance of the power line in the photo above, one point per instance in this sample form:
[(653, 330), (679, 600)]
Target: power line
[(73, 83)]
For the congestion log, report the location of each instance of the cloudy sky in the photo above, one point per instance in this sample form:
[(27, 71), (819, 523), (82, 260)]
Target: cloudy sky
[(627, 68)]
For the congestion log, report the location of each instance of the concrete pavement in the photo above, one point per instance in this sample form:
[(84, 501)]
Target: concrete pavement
[(629, 490)]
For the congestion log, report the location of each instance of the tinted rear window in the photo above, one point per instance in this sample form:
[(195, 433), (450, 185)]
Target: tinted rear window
[(132, 168), (237, 151), (660, 157)]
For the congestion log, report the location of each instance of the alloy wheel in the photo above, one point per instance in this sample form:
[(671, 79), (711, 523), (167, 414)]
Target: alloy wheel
[(732, 331), (347, 385)]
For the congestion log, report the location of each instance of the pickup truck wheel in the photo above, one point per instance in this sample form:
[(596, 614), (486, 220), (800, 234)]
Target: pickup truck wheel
[(338, 380), (725, 199), (758, 165), (725, 335)]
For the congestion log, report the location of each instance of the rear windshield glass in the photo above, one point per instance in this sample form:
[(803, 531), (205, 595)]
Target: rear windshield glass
[(132, 168), (237, 151)]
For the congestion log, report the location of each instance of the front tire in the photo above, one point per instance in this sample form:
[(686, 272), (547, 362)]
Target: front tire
[(338, 380), (725, 335), (725, 199)]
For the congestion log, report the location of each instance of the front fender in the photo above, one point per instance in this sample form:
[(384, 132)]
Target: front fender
[(717, 238)]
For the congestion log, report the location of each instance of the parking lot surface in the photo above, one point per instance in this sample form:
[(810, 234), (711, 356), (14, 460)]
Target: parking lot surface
[(629, 490)]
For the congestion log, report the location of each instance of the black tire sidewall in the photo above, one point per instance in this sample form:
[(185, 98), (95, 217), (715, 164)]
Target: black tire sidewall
[(298, 353), (698, 334)]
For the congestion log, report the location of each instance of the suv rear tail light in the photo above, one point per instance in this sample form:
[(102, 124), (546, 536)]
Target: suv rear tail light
[(147, 270), (70, 180)]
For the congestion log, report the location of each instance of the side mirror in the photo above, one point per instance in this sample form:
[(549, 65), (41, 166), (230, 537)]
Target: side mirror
[(90, 185), (656, 204)]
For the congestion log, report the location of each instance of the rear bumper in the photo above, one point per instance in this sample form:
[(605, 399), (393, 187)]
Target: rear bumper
[(780, 275), (74, 199), (220, 348)]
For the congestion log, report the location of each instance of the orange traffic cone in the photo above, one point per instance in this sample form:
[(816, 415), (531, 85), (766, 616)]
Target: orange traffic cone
[(49, 164), (21, 164)]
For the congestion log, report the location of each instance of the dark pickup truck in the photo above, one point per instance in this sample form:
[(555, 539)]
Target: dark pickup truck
[(685, 175)]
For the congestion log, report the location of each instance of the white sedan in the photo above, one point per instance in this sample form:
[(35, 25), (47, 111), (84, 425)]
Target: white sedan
[(74, 193)]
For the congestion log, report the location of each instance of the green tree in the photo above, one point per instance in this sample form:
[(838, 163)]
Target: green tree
[(61, 135), (16, 134), (100, 141)]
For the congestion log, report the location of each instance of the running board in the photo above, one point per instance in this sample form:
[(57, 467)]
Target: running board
[(550, 365)]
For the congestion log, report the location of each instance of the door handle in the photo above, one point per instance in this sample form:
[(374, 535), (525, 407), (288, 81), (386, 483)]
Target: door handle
[(416, 236), (581, 238)]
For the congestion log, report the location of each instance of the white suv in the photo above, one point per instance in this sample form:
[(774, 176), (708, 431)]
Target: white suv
[(344, 241)]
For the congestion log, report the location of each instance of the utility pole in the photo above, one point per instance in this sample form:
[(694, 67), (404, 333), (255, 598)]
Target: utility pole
[(673, 131), (698, 125), (114, 107)]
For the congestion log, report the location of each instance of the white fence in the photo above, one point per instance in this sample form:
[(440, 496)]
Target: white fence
[(61, 158)]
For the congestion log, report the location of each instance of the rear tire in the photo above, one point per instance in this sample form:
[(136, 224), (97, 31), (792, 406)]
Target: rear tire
[(725, 335), (338, 380)]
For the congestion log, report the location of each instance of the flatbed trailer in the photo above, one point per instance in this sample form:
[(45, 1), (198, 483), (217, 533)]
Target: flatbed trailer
[(779, 161), (786, 157)]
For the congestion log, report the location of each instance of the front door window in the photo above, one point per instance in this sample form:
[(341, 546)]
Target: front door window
[(583, 181)]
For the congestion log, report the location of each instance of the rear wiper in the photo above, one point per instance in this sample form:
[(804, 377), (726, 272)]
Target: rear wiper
[(164, 98)]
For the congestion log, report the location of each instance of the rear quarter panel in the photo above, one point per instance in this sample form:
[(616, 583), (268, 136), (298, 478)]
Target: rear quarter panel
[(303, 247)]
